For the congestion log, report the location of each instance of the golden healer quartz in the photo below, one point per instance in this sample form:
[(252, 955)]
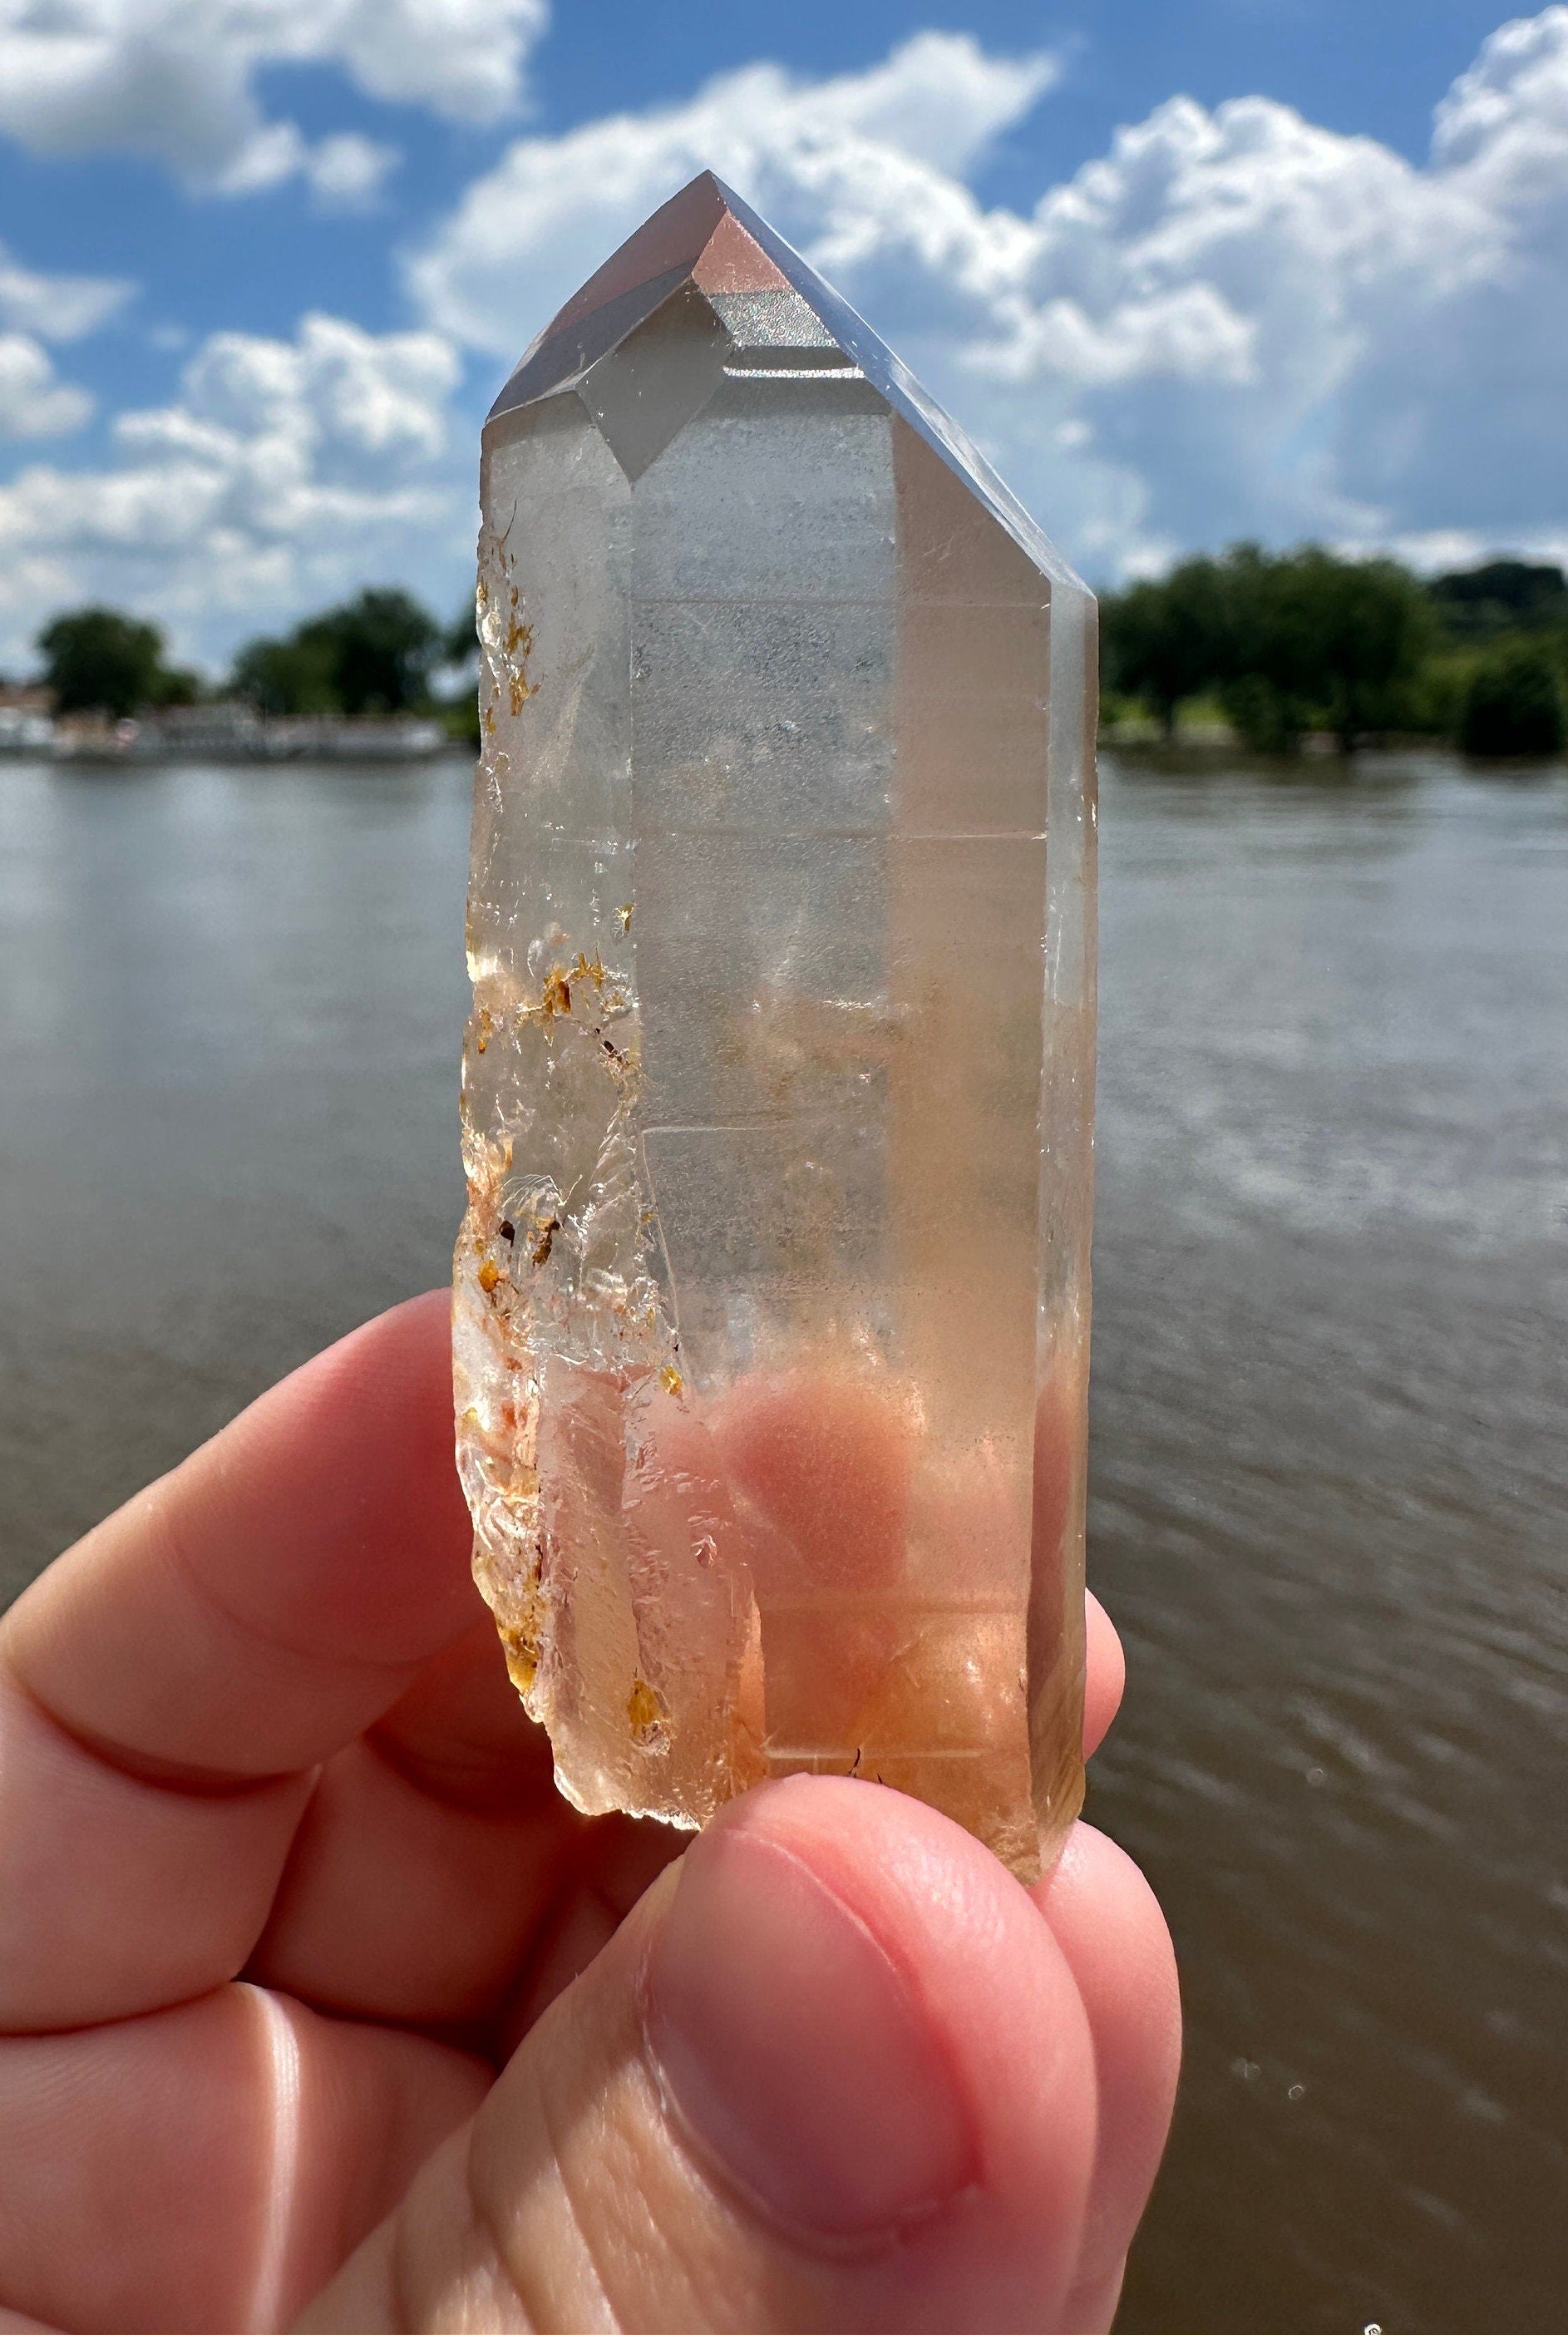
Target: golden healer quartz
[(772, 1300)]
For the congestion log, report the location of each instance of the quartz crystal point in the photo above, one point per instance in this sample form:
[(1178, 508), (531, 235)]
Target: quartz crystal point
[(772, 1298)]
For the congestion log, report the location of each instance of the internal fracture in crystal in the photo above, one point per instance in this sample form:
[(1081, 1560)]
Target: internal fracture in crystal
[(771, 1301)]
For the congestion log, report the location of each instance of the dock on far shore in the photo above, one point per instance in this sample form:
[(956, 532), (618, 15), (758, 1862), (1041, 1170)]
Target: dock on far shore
[(225, 732)]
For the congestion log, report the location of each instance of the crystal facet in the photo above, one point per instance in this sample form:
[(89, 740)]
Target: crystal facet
[(772, 1300)]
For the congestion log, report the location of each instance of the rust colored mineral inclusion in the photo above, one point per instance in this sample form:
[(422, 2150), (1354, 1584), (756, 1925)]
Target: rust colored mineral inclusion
[(771, 1306)]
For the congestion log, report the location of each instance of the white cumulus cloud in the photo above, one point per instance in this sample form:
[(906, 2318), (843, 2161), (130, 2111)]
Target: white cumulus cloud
[(33, 402), (57, 307), (286, 472), (345, 172), (34, 309), (1234, 321), (178, 82), (847, 162)]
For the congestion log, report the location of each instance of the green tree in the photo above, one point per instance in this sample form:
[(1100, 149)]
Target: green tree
[(295, 675), (385, 646), (460, 646), (1267, 718), (374, 654), (1514, 704), (97, 661), (1501, 595), (1370, 629), (1165, 639), (1321, 641), (1266, 683), (461, 637), (1288, 641)]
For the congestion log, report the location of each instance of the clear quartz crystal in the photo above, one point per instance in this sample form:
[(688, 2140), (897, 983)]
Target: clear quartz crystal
[(771, 1301)]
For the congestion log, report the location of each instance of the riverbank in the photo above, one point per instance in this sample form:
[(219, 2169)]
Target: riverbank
[(221, 734)]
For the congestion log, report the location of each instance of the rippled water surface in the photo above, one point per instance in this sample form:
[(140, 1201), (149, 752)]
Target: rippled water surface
[(1330, 1468)]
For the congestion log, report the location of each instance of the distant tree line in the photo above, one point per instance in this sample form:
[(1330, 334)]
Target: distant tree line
[(1279, 644), (379, 654), (1275, 644), (96, 661), (375, 654)]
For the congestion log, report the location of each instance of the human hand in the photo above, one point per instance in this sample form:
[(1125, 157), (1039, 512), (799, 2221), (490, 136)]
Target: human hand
[(289, 1905)]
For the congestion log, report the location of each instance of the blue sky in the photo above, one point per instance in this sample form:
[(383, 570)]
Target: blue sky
[(1281, 267)]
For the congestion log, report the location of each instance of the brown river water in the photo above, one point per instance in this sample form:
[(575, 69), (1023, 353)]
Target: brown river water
[(1330, 1466)]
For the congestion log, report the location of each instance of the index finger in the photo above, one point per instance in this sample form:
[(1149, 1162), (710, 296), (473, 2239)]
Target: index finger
[(169, 1686)]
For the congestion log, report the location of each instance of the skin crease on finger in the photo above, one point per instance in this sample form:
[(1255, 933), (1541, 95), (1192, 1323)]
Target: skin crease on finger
[(301, 1588)]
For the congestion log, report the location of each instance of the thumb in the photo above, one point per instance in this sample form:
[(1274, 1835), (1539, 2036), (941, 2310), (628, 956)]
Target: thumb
[(832, 2073)]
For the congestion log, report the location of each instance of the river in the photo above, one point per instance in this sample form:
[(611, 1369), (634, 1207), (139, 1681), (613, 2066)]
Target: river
[(1330, 1468)]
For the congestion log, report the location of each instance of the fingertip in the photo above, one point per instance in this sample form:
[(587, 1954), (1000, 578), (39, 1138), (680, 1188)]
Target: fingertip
[(1091, 2307), (390, 1370), (252, 1609), (993, 1997), (1109, 1922), (352, 1453), (388, 1380), (1113, 1936), (860, 2124), (1105, 1673)]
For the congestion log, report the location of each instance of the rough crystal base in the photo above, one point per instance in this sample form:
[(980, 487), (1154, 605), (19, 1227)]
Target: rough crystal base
[(772, 1298)]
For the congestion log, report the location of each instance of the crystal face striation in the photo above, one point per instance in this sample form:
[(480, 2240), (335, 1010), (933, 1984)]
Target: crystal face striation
[(772, 1300)]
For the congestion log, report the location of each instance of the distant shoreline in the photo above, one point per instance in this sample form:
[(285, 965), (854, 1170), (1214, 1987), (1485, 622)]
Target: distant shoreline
[(228, 734)]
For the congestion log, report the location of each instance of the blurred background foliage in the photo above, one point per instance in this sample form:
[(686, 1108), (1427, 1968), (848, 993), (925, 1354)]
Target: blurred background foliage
[(378, 655), (1267, 647), (1278, 645), (96, 661)]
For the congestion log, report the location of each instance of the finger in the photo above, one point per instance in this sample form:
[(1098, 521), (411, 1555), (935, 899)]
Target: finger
[(1091, 2309), (1111, 1931), (171, 1679), (626, 1857), (437, 1877), (432, 1850), (1105, 1673), (834, 2072), (207, 2167)]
